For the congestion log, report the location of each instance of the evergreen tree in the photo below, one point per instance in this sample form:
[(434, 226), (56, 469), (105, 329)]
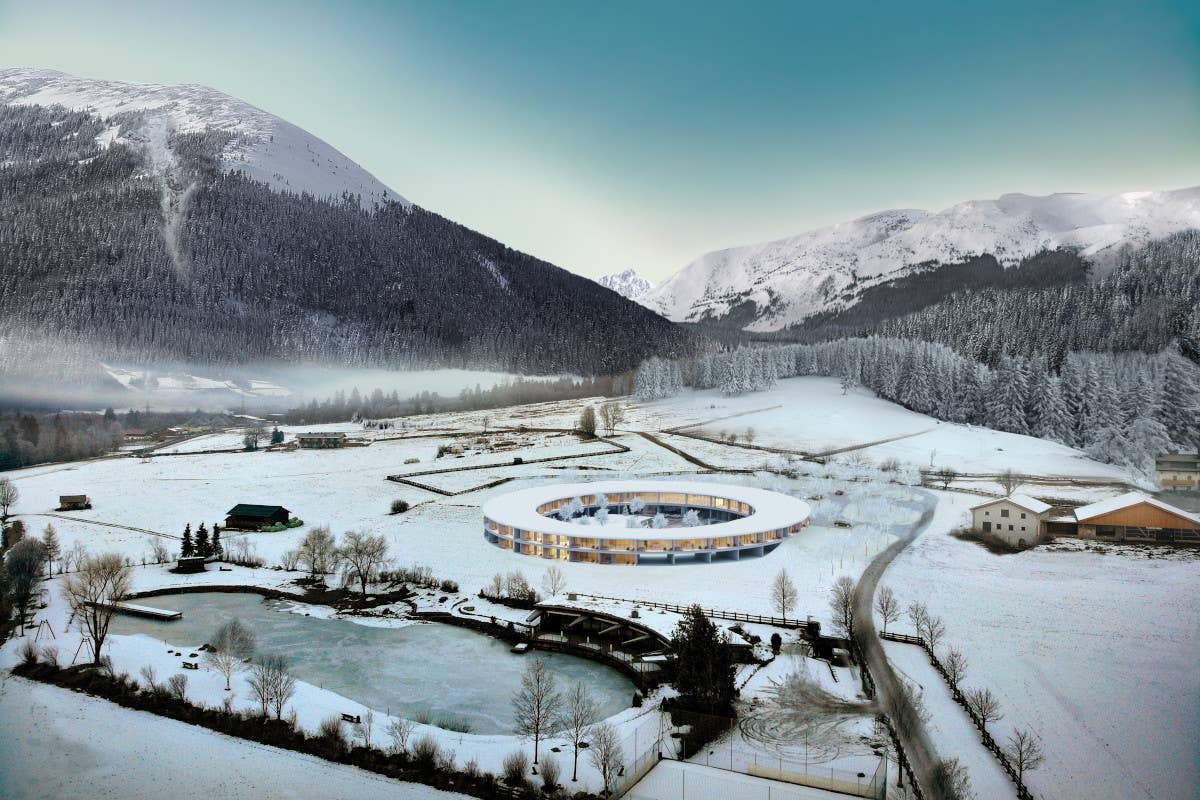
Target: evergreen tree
[(1053, 419), (1180, 409), (217, 549), (187, 549), (203, 548), (703, 664), (277, 435)]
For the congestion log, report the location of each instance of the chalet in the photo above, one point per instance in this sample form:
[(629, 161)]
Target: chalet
[(1016, 519), (321, 441), (1136, 517), (1178, 472), (250, 517), (73, 502)]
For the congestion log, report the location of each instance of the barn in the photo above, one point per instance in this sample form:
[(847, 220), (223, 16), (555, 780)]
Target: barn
[(1137, 517), (250, 517), (321, 441)]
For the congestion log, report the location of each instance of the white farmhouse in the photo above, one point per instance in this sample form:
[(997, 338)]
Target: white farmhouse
[(1016, 519)]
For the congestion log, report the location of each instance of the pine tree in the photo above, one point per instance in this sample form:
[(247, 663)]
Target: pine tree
[(1180, 409), (187, 549), (703, 664), (203, 548), (1053, 419), (217, 549)]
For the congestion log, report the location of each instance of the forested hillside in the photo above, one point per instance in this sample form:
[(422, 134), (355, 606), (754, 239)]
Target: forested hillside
[(108, 253), (1150, 299)]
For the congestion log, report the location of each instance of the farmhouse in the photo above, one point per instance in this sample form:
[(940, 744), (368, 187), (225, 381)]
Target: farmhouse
[(73, 502), (1179, 472), (1136, 517), (1016, 519), (321, 441), (250, 517)]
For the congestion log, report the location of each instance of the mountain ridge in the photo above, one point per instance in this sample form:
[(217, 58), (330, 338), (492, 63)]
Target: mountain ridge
[(774, 285)]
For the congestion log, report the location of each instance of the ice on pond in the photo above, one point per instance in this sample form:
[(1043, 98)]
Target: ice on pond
[(431, 670)]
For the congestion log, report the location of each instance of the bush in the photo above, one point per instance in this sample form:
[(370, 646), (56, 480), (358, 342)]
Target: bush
[(426, 754), (449, 586), (399, 506), (29, 653), (515, 766), (776, 641), (456, 724), (177, 686), (550, 773), (332, 730), (50, 655)]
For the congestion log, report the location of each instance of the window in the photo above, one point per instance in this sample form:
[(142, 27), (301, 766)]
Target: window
[(1022, 517), (1004, 512), (1010, 527)]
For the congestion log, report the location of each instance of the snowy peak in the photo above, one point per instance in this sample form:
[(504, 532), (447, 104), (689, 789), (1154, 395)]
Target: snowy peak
[(261, 145), (628, 284), (786, 281)]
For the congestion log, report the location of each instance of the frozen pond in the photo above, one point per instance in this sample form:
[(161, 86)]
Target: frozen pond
[(432, 671)]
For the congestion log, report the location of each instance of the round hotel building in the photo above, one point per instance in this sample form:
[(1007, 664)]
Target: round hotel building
[(642, 521)]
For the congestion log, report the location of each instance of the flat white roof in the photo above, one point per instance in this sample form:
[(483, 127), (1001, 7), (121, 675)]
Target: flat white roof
[(772, 510), (1125, 501)]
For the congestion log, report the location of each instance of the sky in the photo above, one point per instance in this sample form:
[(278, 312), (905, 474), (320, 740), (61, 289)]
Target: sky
[(604, 136)]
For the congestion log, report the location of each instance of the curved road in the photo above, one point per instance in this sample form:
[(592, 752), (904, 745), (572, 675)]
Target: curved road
[(917, 747)]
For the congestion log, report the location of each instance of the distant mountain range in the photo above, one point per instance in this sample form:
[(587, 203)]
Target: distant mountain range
[(774, 285), (627, 284), (147, 223)]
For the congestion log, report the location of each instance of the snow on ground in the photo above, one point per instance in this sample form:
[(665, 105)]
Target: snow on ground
[(949, 726), (676, 780), (59, 743), (1094, 648)]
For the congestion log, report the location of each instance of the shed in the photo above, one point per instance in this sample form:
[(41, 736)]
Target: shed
[(73, 502), (251, 517), (190, 564), (321, 441)]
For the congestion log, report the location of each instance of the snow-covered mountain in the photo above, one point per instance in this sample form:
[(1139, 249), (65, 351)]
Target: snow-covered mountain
[(772, 285), (261, 145), (627, 284)]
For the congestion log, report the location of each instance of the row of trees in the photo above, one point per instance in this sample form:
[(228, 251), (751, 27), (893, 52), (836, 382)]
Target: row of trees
[(360, 556)]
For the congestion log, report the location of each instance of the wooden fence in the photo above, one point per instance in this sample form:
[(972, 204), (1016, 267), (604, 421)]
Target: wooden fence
[(712, 613), (990, 743)]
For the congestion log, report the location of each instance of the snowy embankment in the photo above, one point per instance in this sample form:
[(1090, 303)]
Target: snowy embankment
[(59, 743)]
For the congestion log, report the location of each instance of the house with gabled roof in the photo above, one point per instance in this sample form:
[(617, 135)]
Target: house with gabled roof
[(1017, 520)]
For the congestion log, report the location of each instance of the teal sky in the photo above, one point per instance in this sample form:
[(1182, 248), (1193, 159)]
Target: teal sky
[(609, 135)]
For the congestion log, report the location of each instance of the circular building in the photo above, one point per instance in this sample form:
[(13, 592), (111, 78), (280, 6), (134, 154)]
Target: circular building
[(642, 521)]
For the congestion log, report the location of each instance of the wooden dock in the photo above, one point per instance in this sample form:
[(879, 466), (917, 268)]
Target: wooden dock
[(147, 611)]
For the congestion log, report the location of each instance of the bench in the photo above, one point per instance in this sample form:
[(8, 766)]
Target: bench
[(190, 665), (351, 718)]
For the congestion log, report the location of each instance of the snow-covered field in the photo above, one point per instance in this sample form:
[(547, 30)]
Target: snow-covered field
[(1094, 651)]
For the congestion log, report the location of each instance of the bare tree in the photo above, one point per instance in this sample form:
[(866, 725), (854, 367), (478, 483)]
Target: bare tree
[(365, 727), (177, 686), (92, 592), (955, 664), (579, 712), (612, 414), (1009, 480), (74, 556), (783, 594), (158, 550), (400, 730), (951, 781), (750, 435), (363, 555), (935, 629), (887, 605), (586, 425), (8, 497), (946, 476), (23, 575), (841, 603), (606, 753), (318, 551), (1024, 750), (917, 614), (985, 704), (231, 646), (554, 581), (271, 684), (536, 703)]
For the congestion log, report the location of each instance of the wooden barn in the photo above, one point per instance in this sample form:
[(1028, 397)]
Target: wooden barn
[(73, 502), (321, 441), (250, 517), (1132, 517)]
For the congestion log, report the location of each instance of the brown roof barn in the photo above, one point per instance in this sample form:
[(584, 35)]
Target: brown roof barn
[(251, 517)]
